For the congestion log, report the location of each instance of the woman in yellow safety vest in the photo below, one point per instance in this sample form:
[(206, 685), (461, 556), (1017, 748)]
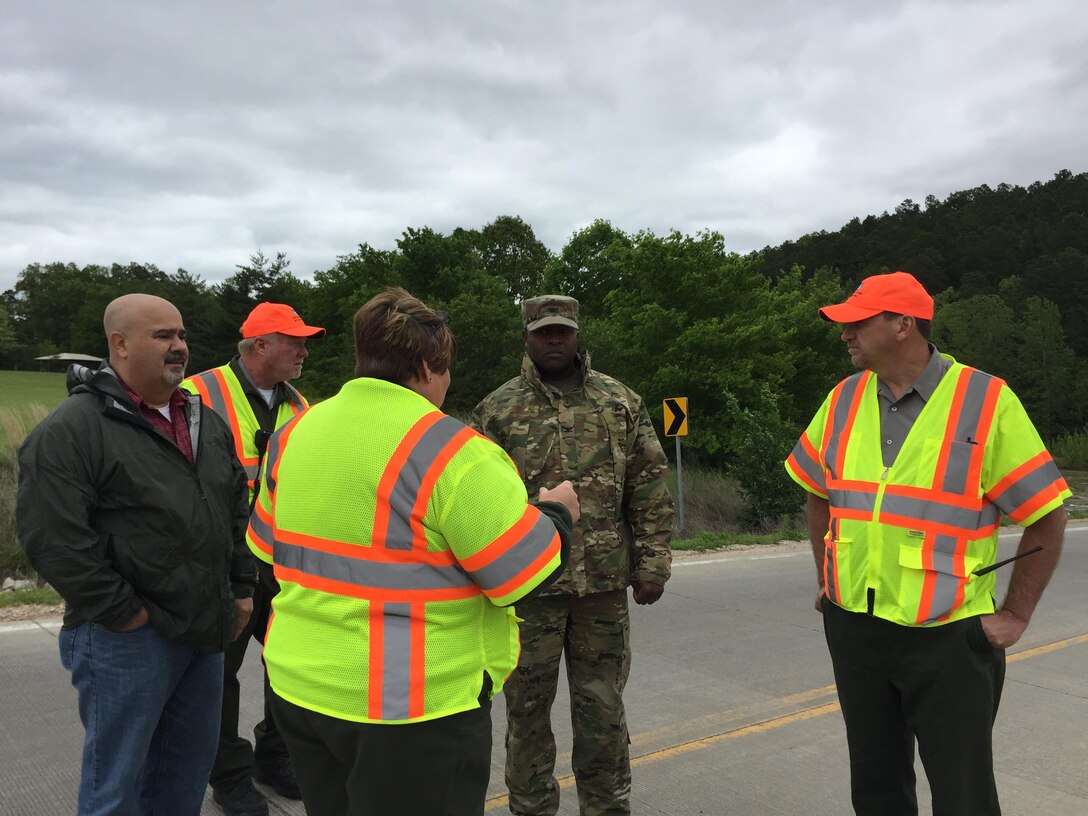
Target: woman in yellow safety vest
[(400, 539)]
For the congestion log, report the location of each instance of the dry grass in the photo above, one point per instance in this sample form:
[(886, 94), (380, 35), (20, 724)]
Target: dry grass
[(712, 502), (15, 423)]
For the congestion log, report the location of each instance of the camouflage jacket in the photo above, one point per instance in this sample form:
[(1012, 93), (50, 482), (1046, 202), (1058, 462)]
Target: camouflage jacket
[(600, 437)]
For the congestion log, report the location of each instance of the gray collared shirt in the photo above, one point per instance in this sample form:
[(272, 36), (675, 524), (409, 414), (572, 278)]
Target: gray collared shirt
[(897, 416)]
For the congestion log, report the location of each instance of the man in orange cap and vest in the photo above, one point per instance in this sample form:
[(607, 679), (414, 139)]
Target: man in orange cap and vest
[(909, 465), (252, 394)]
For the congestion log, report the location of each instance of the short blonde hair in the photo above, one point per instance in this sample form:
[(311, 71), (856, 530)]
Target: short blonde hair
[(395, 332)]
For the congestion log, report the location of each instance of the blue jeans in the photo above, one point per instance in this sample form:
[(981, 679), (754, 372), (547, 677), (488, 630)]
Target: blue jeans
[(150, 711)]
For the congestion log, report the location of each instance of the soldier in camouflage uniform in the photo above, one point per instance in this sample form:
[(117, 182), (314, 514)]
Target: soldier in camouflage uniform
[(561, 420)]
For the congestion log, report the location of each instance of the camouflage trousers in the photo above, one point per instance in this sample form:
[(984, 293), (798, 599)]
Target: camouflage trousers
[(594, 633)]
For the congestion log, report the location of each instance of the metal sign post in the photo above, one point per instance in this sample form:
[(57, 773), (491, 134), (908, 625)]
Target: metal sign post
[(676, 425)]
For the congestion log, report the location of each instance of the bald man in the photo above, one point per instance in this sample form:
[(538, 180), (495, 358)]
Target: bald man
[(132, 505)]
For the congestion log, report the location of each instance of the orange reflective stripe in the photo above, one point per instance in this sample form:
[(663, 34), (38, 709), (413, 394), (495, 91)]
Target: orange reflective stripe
[(229, 414), (404, 580), (829, 422), (348, 589), (945, 581), (375, 662), (1041, 499), (417, 664), (1016, 475), (397, 661), (515, 556), (1029, 487), (831, 571), (837, 439), (804, 462), (426, 485), (360, 552), (535, 566), (989, 411), (274, 454), (950, 427), (855, 404), (202, 390), (260, 529), (392, 473)]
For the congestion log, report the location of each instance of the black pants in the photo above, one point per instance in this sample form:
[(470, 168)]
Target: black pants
[(941, 685), (235, 757), (433, 768)]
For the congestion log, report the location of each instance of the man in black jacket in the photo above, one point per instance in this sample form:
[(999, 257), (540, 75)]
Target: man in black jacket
[(132, 505)]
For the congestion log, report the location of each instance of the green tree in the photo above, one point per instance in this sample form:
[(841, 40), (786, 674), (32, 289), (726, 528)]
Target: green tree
[(510, 250), (589, 266)]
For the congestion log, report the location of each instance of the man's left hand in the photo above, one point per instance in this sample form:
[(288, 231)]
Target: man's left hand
[(243, 608), (1002, 628), (647, 592)]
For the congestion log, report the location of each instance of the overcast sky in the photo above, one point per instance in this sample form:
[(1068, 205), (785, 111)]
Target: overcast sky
[(192, 134)]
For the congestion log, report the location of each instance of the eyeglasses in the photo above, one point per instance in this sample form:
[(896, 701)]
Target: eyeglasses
[(443, 319)]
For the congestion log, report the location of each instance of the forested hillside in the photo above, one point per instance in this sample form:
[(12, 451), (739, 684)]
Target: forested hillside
[(671, 315)]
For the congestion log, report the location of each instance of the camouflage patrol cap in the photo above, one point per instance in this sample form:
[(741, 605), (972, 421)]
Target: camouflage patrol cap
[(549, 310)]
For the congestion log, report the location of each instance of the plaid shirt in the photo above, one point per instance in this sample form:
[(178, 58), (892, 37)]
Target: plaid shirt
[(176, 429)]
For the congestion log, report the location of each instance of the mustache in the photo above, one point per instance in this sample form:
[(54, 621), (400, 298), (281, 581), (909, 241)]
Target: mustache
[(176, 357)]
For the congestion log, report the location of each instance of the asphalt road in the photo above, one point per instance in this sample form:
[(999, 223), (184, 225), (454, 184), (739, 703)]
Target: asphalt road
[(730, 702)]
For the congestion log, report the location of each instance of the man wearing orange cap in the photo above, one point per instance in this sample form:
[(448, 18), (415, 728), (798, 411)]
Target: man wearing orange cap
[(252, 394), (909, 465)]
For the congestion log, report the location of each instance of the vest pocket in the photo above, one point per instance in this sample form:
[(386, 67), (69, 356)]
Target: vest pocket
[(931, 579), (837, 570)]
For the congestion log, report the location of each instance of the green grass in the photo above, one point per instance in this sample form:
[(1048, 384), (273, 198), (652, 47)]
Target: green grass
[(18, 388), (23, 597), (25, 398), (718, 541)]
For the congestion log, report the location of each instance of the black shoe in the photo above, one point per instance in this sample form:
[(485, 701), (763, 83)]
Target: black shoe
[(241, 800), (279, 775)]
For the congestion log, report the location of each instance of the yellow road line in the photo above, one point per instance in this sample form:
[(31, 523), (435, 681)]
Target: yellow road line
[(777, 722), (1049, 647)]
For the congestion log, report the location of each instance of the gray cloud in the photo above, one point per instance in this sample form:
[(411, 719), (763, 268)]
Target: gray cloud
[(191, 135)]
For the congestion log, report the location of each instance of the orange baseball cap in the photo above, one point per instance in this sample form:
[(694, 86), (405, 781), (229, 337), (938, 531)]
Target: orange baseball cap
[(277, 318), (897, 292)]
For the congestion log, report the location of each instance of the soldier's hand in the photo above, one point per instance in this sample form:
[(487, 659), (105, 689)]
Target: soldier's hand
[(243, 608), (646, 592), (564, 494)]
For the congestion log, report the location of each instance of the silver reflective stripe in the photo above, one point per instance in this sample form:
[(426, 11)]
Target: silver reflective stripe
[(1028, 487), (838, 421), (261, 528), (295, 397), (377, 575), (272, 457), (925, 510), (396, 660), (808, 465), (518, 557), (398, 534), (946, 585), (216, 398), (852, 499), (966, 434), (830, 576)]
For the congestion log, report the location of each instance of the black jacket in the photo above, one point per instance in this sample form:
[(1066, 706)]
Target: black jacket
[(115, 517)]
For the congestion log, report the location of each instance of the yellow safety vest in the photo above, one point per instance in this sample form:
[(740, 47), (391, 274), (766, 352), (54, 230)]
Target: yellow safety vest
[(904, 542), (397, 534), (220, 390)]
